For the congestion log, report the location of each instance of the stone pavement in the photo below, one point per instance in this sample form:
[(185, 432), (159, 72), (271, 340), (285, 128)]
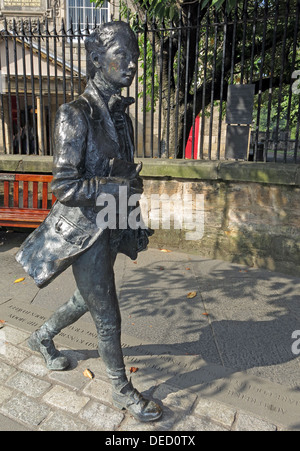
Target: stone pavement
[(222, 360)]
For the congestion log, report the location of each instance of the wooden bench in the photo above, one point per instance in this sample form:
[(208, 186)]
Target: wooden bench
[(24, 205)]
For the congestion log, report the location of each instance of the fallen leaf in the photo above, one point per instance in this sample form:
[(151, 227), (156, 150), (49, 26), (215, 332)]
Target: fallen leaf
[(19, 280), (165, 250), (87, 373), (206, 314), (133, 369), (2, 323), (192, 294), (188, 269)]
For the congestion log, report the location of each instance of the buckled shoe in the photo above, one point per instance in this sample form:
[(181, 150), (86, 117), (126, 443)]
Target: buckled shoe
[(139, 407)]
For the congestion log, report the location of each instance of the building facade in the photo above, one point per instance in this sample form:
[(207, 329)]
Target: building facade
[(79, 11), (42, 65)]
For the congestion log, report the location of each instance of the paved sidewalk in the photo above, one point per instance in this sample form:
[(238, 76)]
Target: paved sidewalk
[(33, 398), (221, 360)]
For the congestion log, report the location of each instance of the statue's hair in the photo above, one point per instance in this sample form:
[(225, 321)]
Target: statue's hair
[(102, 38)]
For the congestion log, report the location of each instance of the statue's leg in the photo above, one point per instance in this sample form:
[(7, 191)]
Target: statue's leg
[(94, 276), (42, 339)]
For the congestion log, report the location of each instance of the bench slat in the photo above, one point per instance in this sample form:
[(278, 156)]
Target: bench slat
[(33, 178), (16, 194), (10, 217), (6, 194), (25, 194), (45, 195), (35, 193), (26, 212)]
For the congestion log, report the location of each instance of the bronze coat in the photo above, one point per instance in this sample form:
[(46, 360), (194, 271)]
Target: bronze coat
[(85, 141)]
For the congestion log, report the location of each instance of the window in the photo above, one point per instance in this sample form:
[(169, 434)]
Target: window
[(83, 12)]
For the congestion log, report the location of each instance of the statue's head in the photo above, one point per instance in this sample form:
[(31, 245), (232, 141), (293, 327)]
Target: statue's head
[(112, 49)]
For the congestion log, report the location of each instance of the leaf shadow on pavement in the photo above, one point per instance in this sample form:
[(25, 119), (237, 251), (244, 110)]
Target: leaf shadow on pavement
[(241, 320)]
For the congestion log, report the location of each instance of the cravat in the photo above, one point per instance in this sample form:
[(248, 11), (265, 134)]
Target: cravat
[(117, 106)]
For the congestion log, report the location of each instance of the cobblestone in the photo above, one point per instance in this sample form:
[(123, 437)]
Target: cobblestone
[(193, 423), (5, 393), (39, 399), (25, 409), (99, 389), (59, 421), (250, 423), (28, 384), (101, 417), (72, 379), (65, 399), (12, 354), (6, 371), (218, 412), (34, 365)]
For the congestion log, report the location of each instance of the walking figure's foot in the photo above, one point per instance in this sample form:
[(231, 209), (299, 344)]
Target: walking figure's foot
[(141, 408), (54, 359)]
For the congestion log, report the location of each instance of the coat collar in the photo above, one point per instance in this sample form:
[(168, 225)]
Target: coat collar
[(99, 110)]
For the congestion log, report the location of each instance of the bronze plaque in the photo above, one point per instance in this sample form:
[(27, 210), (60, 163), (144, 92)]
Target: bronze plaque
[(240, 101), (237, 142)]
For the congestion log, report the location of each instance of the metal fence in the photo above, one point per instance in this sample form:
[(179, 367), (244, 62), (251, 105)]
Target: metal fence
[(187, 67)]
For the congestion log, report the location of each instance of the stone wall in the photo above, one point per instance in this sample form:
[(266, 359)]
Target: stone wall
[(251, 210), (248, 223)]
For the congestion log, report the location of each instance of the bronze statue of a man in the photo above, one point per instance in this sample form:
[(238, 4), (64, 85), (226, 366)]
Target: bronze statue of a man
[(94, 154)]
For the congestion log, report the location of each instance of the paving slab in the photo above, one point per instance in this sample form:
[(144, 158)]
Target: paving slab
[(62, 422), (9, 425), (65, 399), (25, 409)]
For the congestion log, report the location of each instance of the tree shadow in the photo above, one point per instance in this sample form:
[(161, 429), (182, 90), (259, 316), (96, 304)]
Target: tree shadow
[(252, 314)]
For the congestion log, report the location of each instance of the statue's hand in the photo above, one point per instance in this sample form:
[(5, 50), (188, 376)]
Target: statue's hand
[(111, 185), (136, 186)]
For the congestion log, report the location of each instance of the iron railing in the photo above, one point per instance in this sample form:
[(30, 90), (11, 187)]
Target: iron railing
[(186, 68)]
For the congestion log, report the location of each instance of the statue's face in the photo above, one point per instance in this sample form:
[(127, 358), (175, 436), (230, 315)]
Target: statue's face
[(119, 62)]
